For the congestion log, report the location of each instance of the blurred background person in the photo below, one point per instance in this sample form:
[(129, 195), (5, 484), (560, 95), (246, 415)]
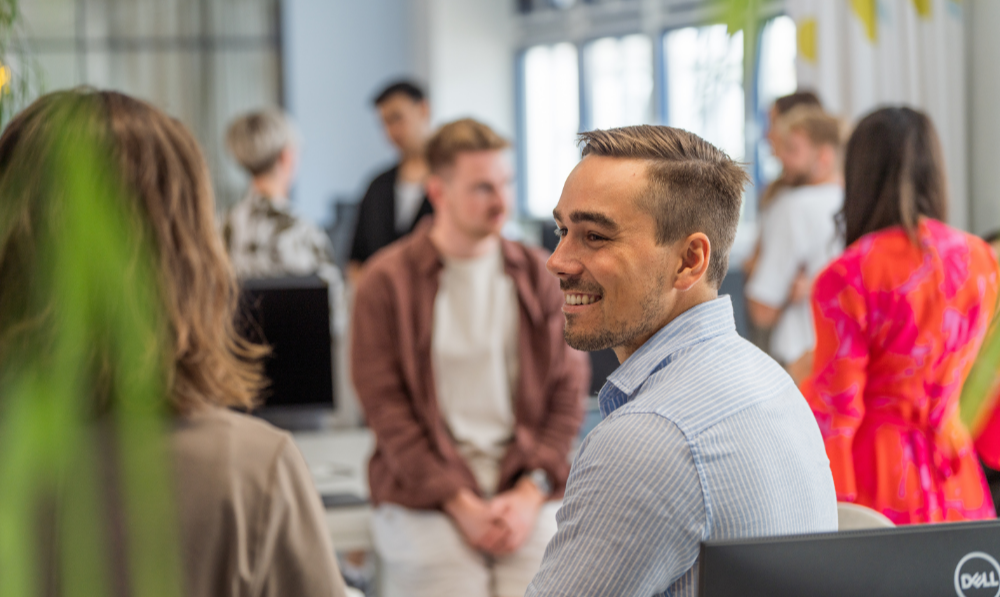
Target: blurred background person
[(397, 198), (250, 520), (899, 319), (800, 237), (781, 107), (761, 335), (263, 238), (472, 435)]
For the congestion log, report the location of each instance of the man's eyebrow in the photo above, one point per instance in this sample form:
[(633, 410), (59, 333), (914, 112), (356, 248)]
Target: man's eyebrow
[(592, 216)]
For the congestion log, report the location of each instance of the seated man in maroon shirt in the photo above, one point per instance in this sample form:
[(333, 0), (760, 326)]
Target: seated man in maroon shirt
[(474, 397)]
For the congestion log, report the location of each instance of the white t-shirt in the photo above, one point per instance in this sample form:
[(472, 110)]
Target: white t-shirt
[(474, 353), (409, 197), (799, 233)]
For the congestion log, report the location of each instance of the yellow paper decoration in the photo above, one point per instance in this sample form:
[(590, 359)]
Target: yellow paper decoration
[(807, 39), (867, 11), (4, 78), (923, 7)]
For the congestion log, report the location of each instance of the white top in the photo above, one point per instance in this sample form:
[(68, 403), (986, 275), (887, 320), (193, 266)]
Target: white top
[(474, 350), (409, 196), (799, 233)]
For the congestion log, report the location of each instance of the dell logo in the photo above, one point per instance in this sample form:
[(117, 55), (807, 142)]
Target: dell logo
[(977, 575)]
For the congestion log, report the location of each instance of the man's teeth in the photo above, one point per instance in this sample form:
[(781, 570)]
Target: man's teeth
[(580, 299)]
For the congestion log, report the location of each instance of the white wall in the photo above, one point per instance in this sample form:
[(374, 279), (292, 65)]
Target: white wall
[(336, 56), (983, 20), (469, 60)]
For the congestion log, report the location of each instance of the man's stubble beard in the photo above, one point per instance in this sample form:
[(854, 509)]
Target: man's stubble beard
[(623, 334)]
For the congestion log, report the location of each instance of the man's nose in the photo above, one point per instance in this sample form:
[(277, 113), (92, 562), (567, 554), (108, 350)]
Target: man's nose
[(501, 198), (563, 262)]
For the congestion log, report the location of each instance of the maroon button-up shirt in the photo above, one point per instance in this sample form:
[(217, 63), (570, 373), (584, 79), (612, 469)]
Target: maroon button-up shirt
[(416, 463)]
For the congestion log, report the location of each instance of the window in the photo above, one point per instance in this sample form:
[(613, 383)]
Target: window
[(703, 69), (618, 76), (203, 62), (775, 78), (614, 83), (551, 121)]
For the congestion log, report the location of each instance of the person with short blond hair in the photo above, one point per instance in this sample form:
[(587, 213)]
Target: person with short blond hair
[(465, 379), (798, 234), (257, 140), (703, 436), (264, 239)]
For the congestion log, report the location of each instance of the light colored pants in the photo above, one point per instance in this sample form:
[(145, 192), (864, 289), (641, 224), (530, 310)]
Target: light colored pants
[(423, 554)]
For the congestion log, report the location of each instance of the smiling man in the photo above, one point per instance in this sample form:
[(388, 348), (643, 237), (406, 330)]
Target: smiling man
[(473, 395), (704, 437)]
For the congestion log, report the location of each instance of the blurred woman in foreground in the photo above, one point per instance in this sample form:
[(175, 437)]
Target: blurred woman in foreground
[(900, 317), (250, 519)]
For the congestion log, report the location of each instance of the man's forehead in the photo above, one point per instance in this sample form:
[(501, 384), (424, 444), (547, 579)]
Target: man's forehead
[(484, 159), (622, 168), (488, 163), (602, 185)]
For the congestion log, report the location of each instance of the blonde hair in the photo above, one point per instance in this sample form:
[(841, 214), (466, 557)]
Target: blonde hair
[(257, 139), (461, 136), (818, 126), (160, 166)]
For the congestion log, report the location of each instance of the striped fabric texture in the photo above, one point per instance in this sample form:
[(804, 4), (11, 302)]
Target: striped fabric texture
[(704, 438)]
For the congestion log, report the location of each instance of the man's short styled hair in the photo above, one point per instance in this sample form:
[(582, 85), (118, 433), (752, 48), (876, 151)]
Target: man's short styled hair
[(407, 88), (461, 136), (257, 139), (818, 126), (693, 186)]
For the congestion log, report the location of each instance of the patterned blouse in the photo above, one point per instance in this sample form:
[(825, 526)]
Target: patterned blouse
[(267, 241), (898, 327)]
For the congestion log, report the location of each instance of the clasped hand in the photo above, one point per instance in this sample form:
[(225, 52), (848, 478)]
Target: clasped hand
[(500, 525)]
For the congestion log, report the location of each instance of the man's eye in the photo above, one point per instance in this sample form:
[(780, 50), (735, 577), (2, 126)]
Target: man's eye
[(560, 232), (595, 238)]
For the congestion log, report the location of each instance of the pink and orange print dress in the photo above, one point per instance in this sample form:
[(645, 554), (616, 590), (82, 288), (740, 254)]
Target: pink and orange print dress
[(898, 326)]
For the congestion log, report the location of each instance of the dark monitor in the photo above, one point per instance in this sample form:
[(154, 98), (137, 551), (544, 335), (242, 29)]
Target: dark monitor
[(939, 560), (292, 316)]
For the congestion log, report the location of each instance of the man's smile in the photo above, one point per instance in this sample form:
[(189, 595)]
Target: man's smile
[(575, 302)]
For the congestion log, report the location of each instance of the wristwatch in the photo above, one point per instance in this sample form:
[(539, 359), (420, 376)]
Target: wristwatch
[(540, 479)]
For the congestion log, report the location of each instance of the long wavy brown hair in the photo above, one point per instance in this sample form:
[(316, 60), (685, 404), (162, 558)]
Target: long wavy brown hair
[(160, 168)]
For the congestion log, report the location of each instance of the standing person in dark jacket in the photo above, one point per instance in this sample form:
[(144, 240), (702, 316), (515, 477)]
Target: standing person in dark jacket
[(396, 199)]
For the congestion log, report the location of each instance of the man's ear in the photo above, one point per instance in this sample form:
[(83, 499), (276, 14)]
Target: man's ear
[(695, 256), (435, 190)]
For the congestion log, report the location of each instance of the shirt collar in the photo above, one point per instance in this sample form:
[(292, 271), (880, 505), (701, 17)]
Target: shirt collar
[(260, 201), (697, 324), (428, 261)]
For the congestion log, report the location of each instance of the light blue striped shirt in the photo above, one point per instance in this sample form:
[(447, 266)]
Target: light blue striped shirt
[(704, 438)]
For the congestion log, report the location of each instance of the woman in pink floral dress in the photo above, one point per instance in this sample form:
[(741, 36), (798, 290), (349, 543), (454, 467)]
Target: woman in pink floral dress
[(900, 317)]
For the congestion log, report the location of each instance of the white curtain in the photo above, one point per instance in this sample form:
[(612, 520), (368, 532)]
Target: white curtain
[(202, 61), (862, 54)]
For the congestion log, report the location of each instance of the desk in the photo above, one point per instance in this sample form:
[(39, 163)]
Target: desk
[(338, 461)]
